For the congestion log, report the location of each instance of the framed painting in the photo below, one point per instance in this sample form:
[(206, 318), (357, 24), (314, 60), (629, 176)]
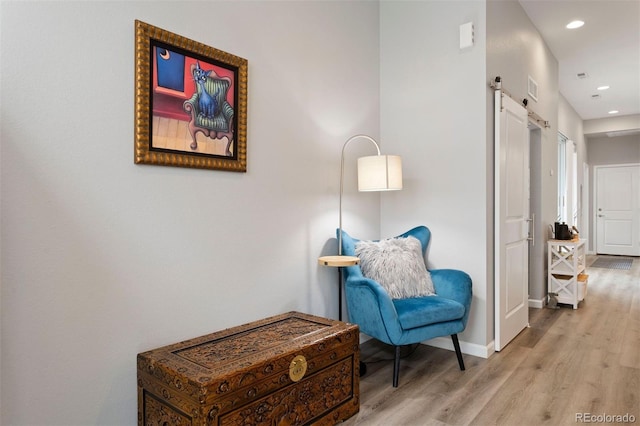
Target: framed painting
[(191, 103)]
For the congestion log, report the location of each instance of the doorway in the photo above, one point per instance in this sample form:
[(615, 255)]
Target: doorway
[(617, 209), (518, 245), (538, 234)]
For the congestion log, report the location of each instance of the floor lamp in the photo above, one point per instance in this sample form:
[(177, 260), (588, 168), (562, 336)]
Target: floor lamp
[(375, 173)]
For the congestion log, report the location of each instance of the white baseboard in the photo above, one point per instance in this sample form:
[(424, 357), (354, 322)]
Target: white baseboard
[(537, 303), (465, 347), (446, 343), (364, 338)]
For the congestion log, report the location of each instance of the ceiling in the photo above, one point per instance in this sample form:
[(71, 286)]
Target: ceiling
[(606, 49)]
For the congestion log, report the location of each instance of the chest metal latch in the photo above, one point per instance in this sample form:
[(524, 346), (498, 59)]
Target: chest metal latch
[(297, 368)]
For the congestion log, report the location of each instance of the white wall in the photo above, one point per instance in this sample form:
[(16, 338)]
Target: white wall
[(571, 125), (103, 259), (432, 114), (437, 111), (623, 123), (516, 50), (618, 150)]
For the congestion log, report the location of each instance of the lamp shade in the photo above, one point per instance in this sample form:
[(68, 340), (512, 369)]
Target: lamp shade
[(380, 173)]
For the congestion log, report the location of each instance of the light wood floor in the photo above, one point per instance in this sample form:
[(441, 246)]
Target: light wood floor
[(174, 134), (568, 362)]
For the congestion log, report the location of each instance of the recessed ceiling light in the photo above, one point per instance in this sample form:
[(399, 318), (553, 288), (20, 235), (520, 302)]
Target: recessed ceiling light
[(603, 87), (575, 24), (615, 111)]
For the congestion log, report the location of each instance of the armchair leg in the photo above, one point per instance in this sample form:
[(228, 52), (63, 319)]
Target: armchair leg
[(363, 368), (396, 366), (456, 345)]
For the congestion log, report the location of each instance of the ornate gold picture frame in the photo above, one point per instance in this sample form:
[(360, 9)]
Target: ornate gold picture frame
[(191, 103)]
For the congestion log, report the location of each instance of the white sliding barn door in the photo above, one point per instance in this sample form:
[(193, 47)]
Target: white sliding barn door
[(618, 210), (511, 219)]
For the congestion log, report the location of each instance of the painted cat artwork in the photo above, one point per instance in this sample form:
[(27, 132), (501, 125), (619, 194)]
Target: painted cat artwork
[(190, 103), (206, 102), (197, 98), (211, 112)]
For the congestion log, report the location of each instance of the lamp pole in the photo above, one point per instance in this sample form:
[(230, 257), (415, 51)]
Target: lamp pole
[(375, 173), (342, 183)]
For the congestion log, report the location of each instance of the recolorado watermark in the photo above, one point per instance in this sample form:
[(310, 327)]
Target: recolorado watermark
[(605, 418)]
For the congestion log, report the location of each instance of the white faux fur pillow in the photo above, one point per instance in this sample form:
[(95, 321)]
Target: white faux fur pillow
[(397, 264)]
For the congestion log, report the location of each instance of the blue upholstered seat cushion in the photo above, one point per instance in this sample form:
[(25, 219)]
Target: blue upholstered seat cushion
[(420, 311), (397, 264)]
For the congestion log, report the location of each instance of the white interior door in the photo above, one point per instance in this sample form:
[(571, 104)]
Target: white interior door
[(511, 219), (618, 210)]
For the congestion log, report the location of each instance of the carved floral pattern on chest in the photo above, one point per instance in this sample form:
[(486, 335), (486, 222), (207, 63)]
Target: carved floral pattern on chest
[(241, 375), (253, 341)]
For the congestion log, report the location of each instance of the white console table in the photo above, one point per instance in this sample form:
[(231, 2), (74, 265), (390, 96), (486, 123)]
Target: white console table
[(567, 279)]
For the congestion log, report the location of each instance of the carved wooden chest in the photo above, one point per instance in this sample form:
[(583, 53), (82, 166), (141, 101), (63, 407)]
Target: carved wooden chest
[(290, 369)]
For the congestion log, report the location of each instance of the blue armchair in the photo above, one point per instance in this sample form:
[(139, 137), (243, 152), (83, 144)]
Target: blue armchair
[(401, 322)]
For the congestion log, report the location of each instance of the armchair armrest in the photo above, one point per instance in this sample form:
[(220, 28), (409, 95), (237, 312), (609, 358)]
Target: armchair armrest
[(227, 113), (190, 105), (372, 309), (455, 285)]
